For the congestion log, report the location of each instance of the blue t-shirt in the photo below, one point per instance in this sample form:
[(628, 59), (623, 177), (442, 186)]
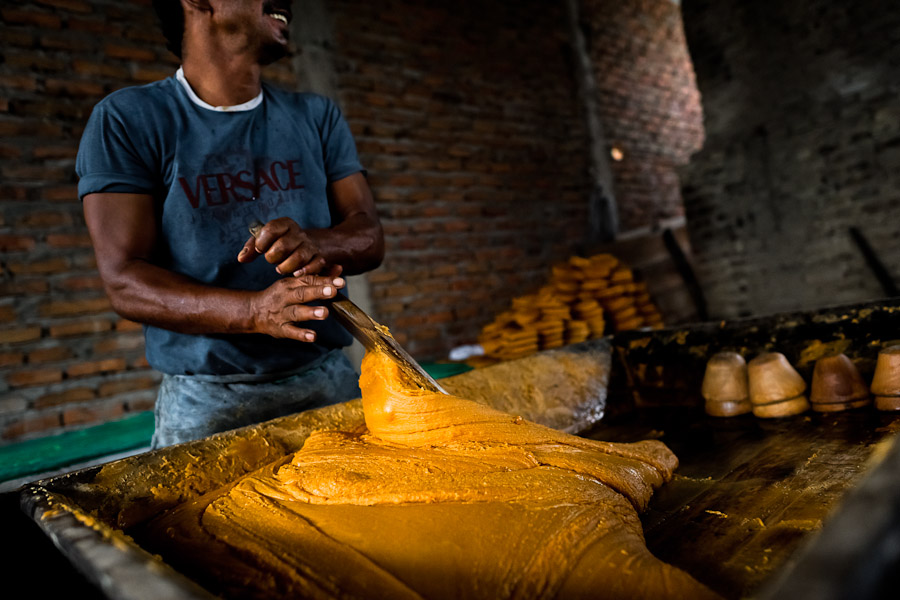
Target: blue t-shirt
[(211, 173)]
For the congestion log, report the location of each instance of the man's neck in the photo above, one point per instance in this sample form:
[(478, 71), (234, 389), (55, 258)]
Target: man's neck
[(222, 80)]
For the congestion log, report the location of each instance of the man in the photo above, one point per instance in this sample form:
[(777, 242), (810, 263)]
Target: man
[(172, 173)]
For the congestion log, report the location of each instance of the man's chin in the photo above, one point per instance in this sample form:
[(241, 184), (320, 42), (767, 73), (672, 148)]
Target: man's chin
[(273, 52)]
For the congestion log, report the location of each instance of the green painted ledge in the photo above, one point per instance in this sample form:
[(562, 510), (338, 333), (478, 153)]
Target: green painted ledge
[(58, 451), (441, 370)]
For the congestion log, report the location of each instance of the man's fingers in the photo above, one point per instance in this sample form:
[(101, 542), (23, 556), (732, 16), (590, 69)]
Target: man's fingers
[(311, 287), (298, 313), (286, 249), (285, 245), (286, 303), (317, 281), (248, 252), (314, 266), (305, 255), (309, 293), (271, 232), (298, 333)]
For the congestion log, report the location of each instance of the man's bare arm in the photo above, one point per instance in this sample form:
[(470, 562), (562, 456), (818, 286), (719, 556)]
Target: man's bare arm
[(124, 233), (355, 243)]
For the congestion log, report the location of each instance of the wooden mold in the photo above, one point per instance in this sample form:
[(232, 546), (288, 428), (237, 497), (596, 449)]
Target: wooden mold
[(886, 382), (837, 385), (725, 387), (776, 388)]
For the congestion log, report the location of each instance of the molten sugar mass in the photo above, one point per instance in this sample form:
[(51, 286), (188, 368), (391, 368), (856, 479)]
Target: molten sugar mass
[(437, 497)]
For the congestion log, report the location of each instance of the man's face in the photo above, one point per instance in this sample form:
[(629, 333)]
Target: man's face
[(261, 25)]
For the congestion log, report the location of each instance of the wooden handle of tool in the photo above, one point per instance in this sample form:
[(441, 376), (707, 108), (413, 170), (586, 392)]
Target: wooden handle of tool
[(255, 227)]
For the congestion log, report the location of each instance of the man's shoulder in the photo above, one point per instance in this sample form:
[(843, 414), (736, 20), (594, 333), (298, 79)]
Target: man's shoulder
[(315, 104), (139, 98)]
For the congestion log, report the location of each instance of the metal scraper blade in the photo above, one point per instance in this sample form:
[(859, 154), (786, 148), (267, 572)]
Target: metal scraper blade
[(372, 335)]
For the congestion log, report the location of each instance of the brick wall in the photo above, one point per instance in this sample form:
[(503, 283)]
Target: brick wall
[(803, 141), (467, 117), (649, 104)]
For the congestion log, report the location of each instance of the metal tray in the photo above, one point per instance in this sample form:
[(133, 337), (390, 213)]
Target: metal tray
[(717, 519), (87, 513)]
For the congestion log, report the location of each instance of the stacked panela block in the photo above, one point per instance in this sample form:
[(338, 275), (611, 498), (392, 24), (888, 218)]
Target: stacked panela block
[(582, 297)]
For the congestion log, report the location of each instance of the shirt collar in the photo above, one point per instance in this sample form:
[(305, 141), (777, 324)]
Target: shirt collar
[(249, 105)]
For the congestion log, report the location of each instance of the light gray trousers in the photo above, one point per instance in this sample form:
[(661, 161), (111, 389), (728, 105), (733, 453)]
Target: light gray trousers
[(190, 407)]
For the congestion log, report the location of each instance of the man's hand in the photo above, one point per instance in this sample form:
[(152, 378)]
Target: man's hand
[(286, 245), (281, 308), (355, 241)]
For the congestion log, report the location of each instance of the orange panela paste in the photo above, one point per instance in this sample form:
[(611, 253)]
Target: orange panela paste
[(437, 497)]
